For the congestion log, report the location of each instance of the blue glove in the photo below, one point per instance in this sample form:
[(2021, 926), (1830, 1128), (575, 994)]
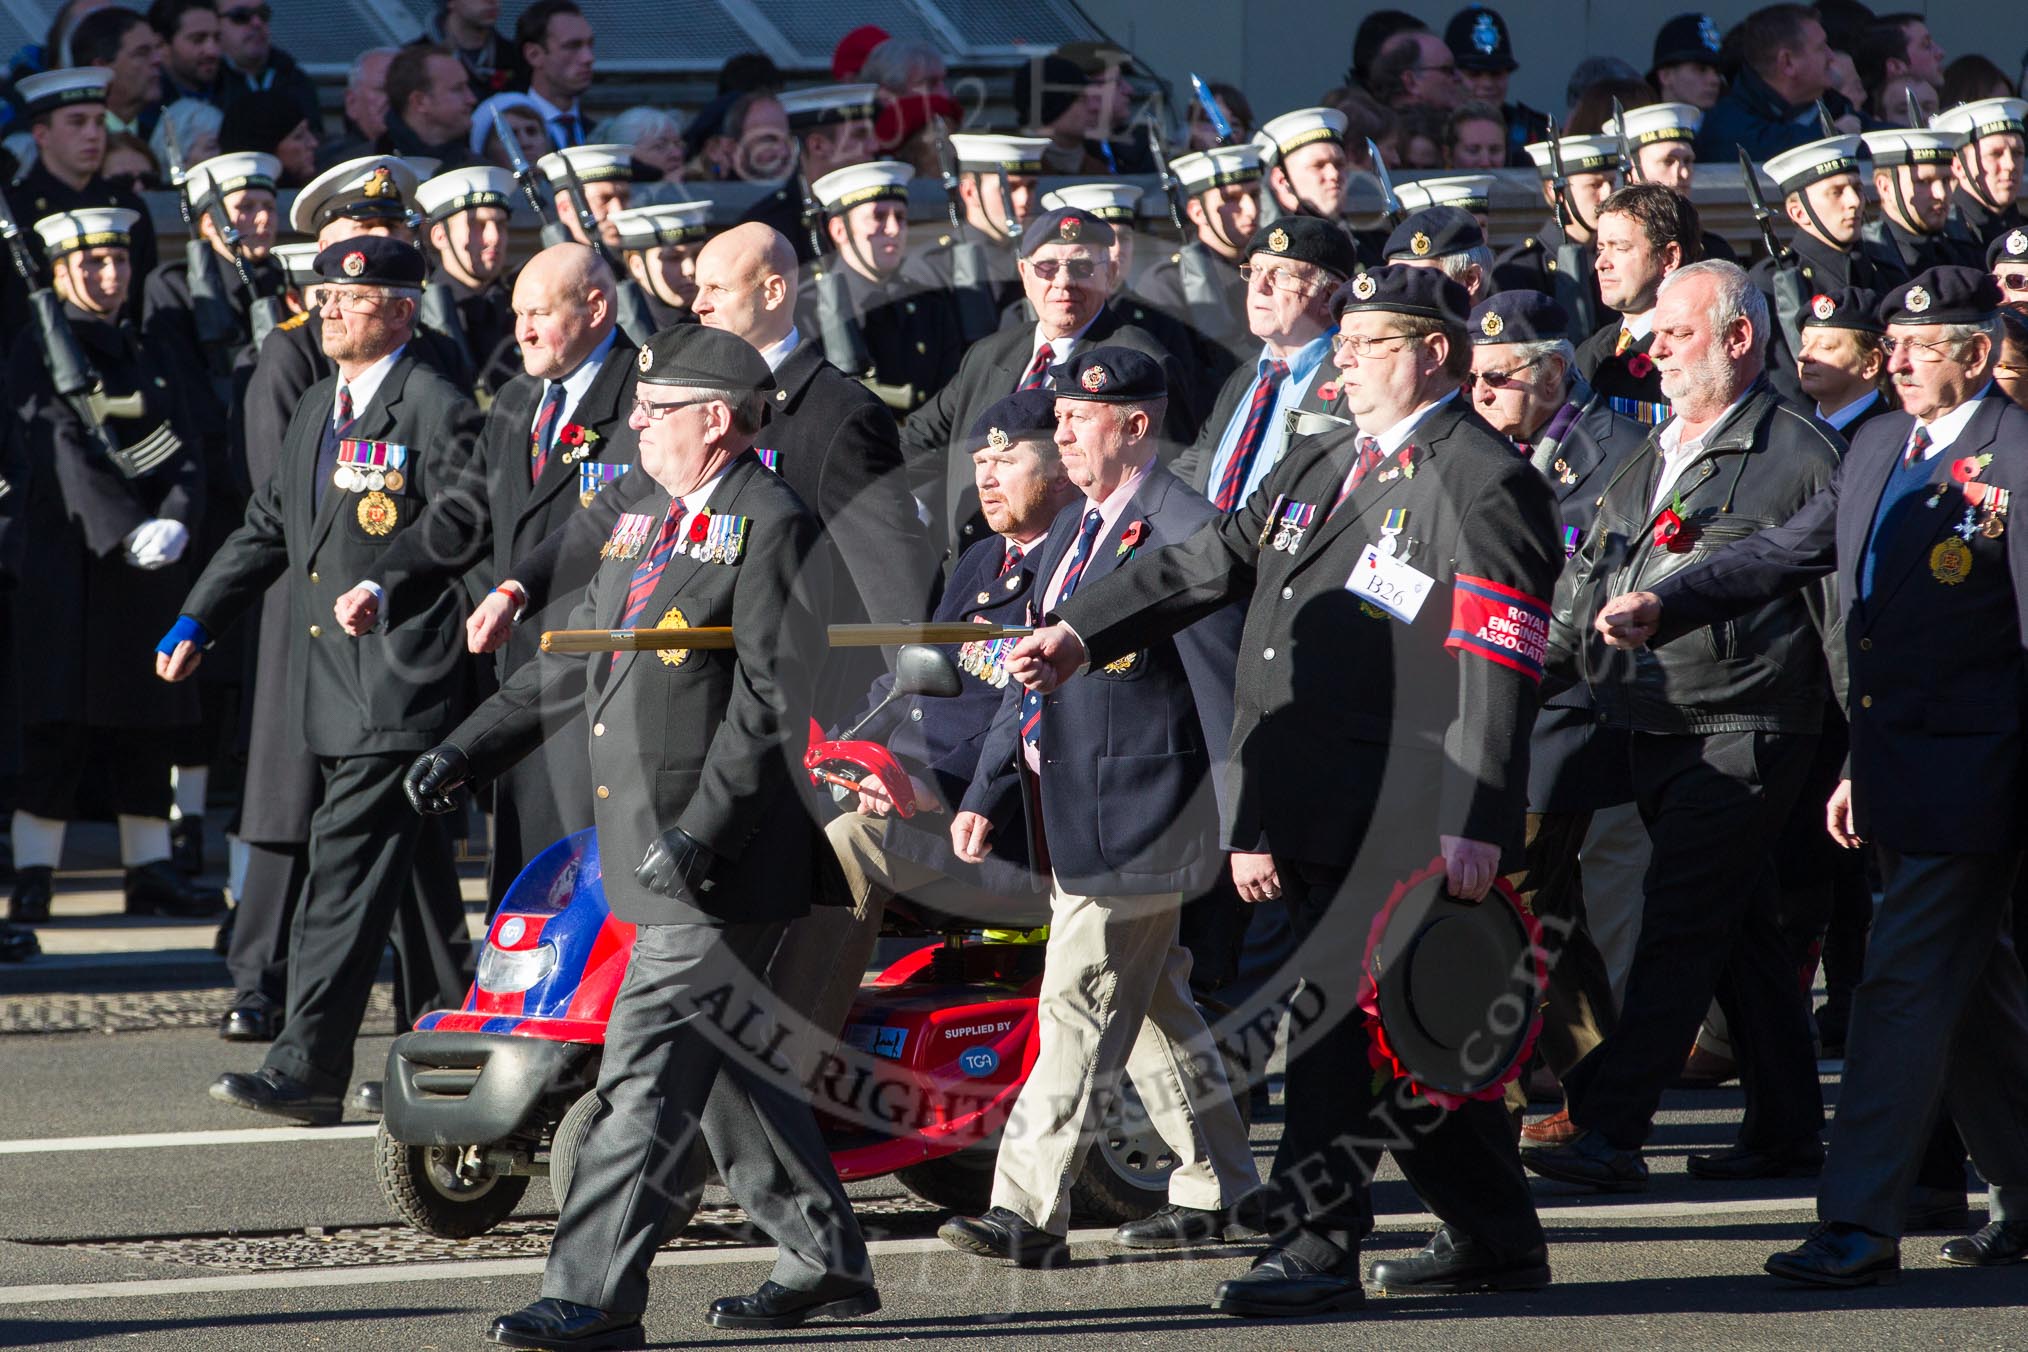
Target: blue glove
[(184, 628)]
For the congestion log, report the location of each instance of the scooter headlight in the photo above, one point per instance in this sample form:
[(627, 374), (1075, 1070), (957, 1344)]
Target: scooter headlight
[(505, 971)]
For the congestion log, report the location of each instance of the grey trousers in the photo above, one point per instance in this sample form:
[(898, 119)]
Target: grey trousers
[(1941, 1014), (664, 1056)]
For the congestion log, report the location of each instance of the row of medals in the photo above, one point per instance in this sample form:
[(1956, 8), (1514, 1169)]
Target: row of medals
[(360, 480)]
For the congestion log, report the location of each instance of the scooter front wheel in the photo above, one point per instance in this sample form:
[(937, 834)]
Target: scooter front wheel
[(423, 1187)]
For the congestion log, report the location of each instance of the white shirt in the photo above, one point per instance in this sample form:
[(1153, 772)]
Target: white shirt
[(1951, 425), (1395, 437), (550, 113), (574, 385), (774, 354), (1640, 326), (1059, 349), (365, 385), (1842, 418), (1677, 453)]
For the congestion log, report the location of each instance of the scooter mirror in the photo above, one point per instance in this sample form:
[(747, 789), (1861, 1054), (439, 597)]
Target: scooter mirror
[(922, 670)]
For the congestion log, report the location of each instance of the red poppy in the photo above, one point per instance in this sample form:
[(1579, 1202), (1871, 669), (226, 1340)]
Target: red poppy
[(571, 435), (1328, 392), (500, 79), (1639, 366), (700, 526), (1965, 468), (1668, 529), (1131, 536)]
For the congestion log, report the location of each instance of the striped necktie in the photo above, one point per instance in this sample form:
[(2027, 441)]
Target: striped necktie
[(542, 435), (1918, 446), (1369, 456), (1232, 484), (1031, 703), (327, 448), (1010, 560), (1038, 370), (648, 574), (1623, 342)]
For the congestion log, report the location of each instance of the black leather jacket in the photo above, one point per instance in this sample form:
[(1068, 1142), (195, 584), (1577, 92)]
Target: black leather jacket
[(1762, 672)]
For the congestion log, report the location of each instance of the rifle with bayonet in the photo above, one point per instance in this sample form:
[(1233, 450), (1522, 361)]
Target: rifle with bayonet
[(1572, 276), (210, 312), (554, 231), (630, 305), (837, 327), (1213, 114), (1630, 164), (1788, 279), (1387, 197), (971, 280), (71, 373), (1196, 272)]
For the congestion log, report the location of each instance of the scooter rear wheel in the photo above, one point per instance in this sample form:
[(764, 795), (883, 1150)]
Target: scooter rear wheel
[(568, 1140), (1126, 1172), (422, 1187)]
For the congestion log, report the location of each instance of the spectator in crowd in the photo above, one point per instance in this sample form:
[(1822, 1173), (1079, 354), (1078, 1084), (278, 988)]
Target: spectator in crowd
[(1478, 38), (1421, 138), (1897, 45), (254, 65), (1416, 70), (1475, 137), (1365, 120), (129, 165), (744, 72), (848, 58), (1232, 104), (555, 41), (1685, 64), (913, 85), (124, 43), (519, 113), (1049, 102), (1594, 105), (467, 28), (194, 123), (54, 51), (1593, 70), (1772, 105), (1372, 34), (429, 106), (1890, 102), (657, 139), (365, 109), (1847, 85), (1973, 77), (903, 67), (191, 54), (269, 121), (753, 144), (1108, 102)]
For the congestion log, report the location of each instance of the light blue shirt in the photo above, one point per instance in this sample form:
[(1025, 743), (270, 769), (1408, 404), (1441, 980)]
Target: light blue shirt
[(1303, 366)]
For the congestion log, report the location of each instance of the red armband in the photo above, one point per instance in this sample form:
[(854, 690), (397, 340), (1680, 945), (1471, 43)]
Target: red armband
[(1496, 622)]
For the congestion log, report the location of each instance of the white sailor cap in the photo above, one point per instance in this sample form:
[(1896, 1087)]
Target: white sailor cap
[(1112, 202), (1795, 170), (1293, 131), (370, 188), (1654, 122), (1983, 117), (1203, 170), (1466, 192), (87, 228), (591, 164), (651, 227), (233, 171), (844, 189), (1581, 155), (1891, 146), (815, 105), (1014, 154), (299, 260), (54, 89), (481, 185)]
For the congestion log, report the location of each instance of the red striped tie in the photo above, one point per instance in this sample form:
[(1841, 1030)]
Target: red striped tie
[(545, 428), (1369, 456), (1251, 433), (1038, 370), (649, 574)]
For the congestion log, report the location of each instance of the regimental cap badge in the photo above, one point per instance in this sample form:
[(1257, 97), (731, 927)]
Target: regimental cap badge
[(1094, 378), (1485, 34), (1364, 286), (1491, 324), (1278, 240), (997, 438), (380, 183), (1917, 300), (645, 360), (354, 263), (1418, 244), (1823, 307), (2017, 243), (1067, 229)]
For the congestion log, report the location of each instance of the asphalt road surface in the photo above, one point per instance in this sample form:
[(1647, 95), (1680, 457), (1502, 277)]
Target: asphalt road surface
[(136, 1212)]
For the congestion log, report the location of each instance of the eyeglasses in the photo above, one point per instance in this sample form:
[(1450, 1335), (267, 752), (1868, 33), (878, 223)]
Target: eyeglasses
[(1366, 349), (656, 412), (1500, 380), (1276, 279), (1917, 351), (247, 14), (1447, 68), (350, 302), (1080, 269), (2012, 281)]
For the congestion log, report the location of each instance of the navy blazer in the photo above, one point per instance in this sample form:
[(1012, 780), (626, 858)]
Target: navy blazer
[(1135, 750), (1937, 674)]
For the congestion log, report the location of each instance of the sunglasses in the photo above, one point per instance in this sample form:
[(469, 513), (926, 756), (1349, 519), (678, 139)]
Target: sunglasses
[(2012, 281), (247, 14), (1080, 269), (1500, 380)]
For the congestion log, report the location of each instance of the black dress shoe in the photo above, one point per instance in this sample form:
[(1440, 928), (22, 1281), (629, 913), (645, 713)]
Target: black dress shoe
[(366, 1098), (269, 1091), (1840, 1255), (186, 845), (1936, 1209), (253, 1018), (1285, 1286), (775, 1306), (1457, 1262), (1589, 1159), (158, 889), (1996, 1245), (1180, 1227), (1798, 1159), (561, 1323), (18, 943), (28, 903), (1003, 1235)]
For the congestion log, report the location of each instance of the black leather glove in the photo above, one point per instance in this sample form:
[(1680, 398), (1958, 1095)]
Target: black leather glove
[(676, 865), (434, 779)]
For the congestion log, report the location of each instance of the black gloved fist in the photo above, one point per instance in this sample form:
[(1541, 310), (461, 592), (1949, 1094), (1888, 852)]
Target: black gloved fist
[(433, 780), (676, 865)]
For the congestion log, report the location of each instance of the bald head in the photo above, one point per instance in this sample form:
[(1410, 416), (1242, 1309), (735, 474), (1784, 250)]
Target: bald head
[(563, 309), (746, 284)]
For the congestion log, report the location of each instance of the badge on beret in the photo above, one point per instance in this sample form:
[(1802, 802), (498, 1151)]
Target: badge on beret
[(645, 360), (1823, 307), (354, 263), (1917, 300), (376, 513), (1067, 228), (2017, 243), (672, 618), (997, 438), (1365, 286), (1278, 240), (380, 183), (1418, 244), (1093, 379), (1491, 324)]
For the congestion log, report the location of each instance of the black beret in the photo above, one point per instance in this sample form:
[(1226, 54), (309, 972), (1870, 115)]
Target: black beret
[(1022, 416), (1066, 225), (1110, 375), (1478, 40), (1519, 317), (2011, 247), (691, 354), (1846, 307), (1432, 233), (1403, 291), (1687, 37), (372, 260), (1308, 239), (1943, 295)]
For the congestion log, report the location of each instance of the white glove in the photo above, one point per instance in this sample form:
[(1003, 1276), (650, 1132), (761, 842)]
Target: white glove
[(157, 543)]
